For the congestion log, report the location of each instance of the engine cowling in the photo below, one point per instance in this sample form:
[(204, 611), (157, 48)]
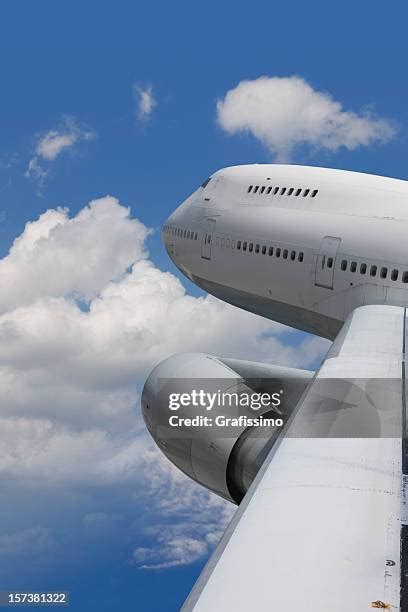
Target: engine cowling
[(223, 458)]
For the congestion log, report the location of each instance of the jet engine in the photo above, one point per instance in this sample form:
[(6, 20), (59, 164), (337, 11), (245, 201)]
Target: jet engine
[(193, 407)]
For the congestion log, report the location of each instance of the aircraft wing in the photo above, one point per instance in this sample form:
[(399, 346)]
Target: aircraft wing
[(321, 528)]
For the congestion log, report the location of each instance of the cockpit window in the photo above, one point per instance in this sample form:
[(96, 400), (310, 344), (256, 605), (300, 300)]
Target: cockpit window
[(204, 185)]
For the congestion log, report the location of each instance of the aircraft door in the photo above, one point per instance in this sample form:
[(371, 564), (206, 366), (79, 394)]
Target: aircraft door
[(325, 262), (209, 227)]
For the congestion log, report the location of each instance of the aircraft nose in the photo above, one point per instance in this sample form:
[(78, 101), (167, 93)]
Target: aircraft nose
[(167, 236)]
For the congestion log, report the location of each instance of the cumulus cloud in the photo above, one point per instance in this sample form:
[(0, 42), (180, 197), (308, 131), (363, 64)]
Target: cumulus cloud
[(50, 145), (84, 315), (145, 101), (80, 255), (195, 521), (286, 112)]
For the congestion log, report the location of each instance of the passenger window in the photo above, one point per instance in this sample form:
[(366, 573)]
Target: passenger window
[(343, 265), (233, 244), (282, 191), (405, 277), (238, 244), (256, 188), (196, 235), (275, 191), (383, 273), (353, 266), (330, 262), (300, 257), (185, 233), (278, 252), (285, 254), (262, 189), (263, 250), (363, 268), (394, 275), (314, 193), (290, 191), (373, 270), (250, 188), (306, 192), (269, 190), (188, 234), (251, 247), (244, 246), (257, 248), (270, 252), (293, 255), (298, 192)]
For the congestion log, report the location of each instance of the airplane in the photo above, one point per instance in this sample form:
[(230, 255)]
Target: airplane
[(321, 523)]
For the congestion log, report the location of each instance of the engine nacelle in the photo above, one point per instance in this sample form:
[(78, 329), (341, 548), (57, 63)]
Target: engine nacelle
[(223, 457)]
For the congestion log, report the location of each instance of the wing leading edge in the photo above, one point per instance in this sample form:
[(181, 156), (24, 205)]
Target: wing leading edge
[(321, 528)]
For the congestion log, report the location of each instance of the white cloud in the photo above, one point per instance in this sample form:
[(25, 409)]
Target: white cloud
[(84, 318), (49, 146), (58, 256), (197, 521), (34, 540), (285, 112), (145, 101)]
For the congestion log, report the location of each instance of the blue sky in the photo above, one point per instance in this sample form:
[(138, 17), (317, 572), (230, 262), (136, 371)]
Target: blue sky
[(82, 63)]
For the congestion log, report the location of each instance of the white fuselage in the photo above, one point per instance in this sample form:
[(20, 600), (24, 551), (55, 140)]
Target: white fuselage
[(300, 245)]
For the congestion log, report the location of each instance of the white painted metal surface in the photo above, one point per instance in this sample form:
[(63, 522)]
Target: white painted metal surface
[(319, 530)]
